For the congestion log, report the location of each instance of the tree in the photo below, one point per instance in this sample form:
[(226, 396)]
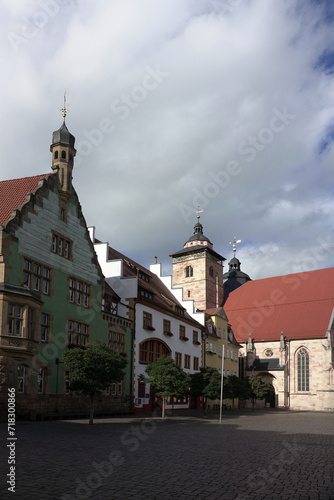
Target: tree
[(235, 387), (257, 388), (206, 383), (167, 378), (93, 368)]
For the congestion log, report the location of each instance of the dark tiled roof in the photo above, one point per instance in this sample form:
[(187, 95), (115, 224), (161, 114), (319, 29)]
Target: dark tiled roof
[(13, 194), (270, 364), (197, 248)]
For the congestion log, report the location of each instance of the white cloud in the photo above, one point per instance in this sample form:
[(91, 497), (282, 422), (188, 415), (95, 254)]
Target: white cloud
[(228, 69)]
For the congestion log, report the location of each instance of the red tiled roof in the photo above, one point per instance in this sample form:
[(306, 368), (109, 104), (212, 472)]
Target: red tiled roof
[(14, 192), (300, 305)]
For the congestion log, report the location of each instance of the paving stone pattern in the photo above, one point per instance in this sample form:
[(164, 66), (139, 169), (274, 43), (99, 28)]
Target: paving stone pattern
[(255, 455)]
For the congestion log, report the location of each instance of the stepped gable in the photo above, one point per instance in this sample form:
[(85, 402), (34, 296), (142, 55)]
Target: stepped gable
[(151, 283), (299, 305), (13, 194)]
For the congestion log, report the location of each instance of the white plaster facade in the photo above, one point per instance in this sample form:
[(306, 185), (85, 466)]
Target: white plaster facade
[(127, 289)]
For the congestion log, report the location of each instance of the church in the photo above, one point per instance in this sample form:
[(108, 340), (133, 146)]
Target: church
[(283, 326)]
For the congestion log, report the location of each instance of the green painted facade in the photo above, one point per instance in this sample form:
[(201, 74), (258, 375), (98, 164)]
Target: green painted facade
[(49, 231)]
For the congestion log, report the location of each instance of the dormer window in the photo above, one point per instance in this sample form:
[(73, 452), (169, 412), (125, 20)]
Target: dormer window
[(144, 276)]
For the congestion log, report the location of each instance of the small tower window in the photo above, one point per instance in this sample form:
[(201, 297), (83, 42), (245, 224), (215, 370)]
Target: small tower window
[(63, 155), (211, 271), (189, 272), (56, 155)]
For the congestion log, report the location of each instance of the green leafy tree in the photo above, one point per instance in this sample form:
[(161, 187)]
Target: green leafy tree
[(206, 383), (235, 388), (257, 388), (167, 378), (93, 369)]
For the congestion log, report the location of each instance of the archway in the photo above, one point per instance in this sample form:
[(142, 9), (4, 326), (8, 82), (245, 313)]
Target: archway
[(271, 399)]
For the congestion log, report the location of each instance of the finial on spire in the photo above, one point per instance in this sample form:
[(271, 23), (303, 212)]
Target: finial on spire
[(64, 111), (234, 244), (198, 212)]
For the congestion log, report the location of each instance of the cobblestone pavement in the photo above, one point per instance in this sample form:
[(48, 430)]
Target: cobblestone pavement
[(259, 455)]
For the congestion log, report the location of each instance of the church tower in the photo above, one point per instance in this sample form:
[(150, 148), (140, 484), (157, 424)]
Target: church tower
[(63, 153), (198, 269), (234, 277)]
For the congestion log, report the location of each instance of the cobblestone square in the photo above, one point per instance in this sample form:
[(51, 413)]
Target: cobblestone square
[(250, 455)]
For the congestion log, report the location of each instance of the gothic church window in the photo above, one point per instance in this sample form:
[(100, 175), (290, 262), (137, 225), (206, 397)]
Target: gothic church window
[(303, 370)]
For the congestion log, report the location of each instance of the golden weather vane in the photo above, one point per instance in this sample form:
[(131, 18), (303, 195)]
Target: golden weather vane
[(234, 244), (64, 108), (198, 212)]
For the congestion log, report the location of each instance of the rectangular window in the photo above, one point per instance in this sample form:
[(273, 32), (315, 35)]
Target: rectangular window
[(147, 320), (182, 332), (195, 337), (113, 390), (36, 277), (21, 373), (77, 333), (15, 320), (219, 351), (31, 315), (44, 327), (166, 326), (187, 361), (61, 246), (141, 390), (116, 341), (40, 380), (178, 359), (196, 363), (78, 292)]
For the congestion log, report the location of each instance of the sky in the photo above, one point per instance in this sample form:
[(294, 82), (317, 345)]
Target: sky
[(225, 106)]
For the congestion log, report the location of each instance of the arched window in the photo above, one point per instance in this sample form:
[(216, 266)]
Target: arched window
[(56, 155), (63, 155), (189, 271), (303, 369), (152, 349)]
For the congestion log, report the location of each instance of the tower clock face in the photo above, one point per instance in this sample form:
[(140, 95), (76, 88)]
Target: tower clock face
[(268, 353)]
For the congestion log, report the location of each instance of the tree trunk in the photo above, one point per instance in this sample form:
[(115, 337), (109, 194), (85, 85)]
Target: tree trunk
[(163, 408), (91, 411)]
